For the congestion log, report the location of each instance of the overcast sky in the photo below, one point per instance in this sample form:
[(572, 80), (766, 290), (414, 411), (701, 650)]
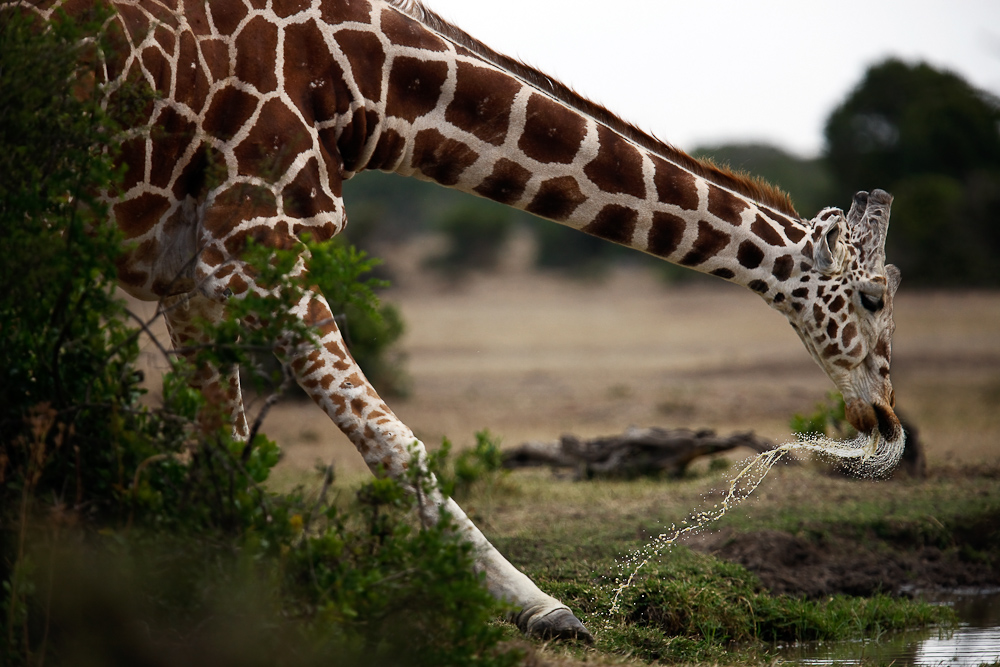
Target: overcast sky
[(709, 71)]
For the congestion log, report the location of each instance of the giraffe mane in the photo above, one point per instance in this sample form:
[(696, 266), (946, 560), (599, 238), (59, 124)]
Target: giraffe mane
[(754, 187)]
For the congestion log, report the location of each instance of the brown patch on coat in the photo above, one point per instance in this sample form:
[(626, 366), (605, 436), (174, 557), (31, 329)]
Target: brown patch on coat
[(749, 255), (831, 329), (404, 31), (763, 229), (172, 135), (552, 132), (259, 37), (482, 102), (228, 112), (614, 223), (441, 159), (133, 156), (216, 54), (195, 11), (506, 183), (314, 81), (819, 316), (783, 267), (137, 216), (665, 234), (414, 87), (708, 244), (850, 331), (351, 141), (365, 54), (275, 140), (793, 232), (304, 197), (192, 179), (557, 198), (236, 204), (674, 185), (388, 151), (227, 16), (344, 11), (286, 8), (617, 169), (726, 206)]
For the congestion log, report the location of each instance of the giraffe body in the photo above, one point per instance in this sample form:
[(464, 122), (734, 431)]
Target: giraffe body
[(265, 107)]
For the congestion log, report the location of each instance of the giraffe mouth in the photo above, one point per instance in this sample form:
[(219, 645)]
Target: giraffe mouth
[(888, 423), (866, 417)]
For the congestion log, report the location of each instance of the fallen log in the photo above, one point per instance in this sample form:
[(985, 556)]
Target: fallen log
[(638, 452)]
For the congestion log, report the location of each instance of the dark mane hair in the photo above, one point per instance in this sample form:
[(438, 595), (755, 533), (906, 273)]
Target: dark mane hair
[(749, 186)]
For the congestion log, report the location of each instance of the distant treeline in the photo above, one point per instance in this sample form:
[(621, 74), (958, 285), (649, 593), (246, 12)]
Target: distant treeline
[(925, 135)]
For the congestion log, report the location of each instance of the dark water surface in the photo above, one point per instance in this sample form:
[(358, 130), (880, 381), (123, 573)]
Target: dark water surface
[(974, 642)]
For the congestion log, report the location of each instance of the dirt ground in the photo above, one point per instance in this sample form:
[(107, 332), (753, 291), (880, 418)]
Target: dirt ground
[(796, 565), (531, 356)]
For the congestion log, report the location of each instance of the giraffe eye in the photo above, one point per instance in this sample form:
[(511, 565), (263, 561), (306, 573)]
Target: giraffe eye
[(872, 304)]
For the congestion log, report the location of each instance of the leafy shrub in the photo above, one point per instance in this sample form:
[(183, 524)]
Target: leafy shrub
[(828, 419), (476, 235), (480, 465)]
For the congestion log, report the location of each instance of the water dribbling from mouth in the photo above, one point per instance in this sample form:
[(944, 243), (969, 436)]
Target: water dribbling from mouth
[(864, 456)]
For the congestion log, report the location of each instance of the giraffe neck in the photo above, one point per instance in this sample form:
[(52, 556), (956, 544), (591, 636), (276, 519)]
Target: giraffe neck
[(468, 118)]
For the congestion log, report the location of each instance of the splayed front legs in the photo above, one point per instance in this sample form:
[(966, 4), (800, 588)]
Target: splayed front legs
[(334, 380)]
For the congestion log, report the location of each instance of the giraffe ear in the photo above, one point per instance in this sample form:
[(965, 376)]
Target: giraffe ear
[(827, 254), (871, 221), (894, 277)]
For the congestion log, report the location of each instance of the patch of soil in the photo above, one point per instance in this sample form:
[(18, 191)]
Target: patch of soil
[(801, 565)]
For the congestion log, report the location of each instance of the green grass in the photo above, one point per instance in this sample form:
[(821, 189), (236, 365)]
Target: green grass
[(690, 607)]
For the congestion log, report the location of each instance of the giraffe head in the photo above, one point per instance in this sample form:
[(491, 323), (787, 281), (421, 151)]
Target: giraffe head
[(841, 308)]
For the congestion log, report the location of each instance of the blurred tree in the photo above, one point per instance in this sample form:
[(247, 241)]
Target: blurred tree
[(904, 120), (476, 233), (933, 140)]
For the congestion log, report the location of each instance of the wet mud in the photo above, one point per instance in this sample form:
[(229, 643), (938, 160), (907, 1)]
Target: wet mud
[(827, 560)]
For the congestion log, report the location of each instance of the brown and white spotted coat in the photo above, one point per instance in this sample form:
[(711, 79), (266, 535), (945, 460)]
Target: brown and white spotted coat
[(265, 107)]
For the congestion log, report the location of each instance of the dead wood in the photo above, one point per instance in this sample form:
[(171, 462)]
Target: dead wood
[(638, 452)]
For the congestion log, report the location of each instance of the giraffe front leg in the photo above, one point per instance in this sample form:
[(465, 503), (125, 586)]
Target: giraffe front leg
[(221, 387), (334, 380)]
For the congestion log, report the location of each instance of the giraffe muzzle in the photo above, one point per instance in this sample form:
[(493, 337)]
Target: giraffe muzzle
[(866, 417)]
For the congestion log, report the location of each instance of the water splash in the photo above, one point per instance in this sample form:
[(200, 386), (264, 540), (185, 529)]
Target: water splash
[(864, 456)]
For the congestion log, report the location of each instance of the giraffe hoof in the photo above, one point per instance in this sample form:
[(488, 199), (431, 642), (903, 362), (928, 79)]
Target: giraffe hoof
[(558, 624)]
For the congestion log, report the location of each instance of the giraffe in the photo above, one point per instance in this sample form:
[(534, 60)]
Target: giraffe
[(263, 108)]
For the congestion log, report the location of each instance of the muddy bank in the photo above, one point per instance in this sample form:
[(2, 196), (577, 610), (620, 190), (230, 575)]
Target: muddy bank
[(819, 561)]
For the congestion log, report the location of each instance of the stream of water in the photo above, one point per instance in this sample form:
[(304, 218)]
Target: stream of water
[(865, 456), (974, 642)]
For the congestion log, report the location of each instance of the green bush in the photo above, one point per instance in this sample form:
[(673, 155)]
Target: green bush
[(932, 140), (476, 235), (828, 419)]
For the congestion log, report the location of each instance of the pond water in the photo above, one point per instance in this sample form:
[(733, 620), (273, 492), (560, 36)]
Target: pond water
[(974, 642)]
